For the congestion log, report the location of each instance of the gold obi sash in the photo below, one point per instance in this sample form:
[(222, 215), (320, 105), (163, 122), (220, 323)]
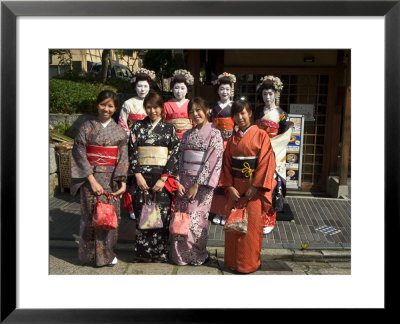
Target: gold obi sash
[(181, 124), (153, 155), (244, 166), (192, 160)]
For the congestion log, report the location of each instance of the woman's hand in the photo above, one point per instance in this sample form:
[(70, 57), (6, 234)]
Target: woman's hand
[(141, 182), (181, 189), (191, 194), (234, 193), (118, 194), (251, 192), (158, 186), (96, 187)]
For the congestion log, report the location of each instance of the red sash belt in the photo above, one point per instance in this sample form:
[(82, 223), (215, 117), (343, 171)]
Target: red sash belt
[(223, 123), (136, 116), (102, 155), (176, 115), (269, 126)]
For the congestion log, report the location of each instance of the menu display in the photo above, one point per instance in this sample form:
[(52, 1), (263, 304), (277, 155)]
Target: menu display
[(294, 152)]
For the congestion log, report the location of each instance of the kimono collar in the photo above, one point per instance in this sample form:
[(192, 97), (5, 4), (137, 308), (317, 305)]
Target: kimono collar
[(238, 135)]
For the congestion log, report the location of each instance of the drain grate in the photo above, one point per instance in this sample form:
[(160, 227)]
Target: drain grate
[(328, 230)]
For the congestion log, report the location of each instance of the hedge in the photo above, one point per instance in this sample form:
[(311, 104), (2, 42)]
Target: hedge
[(78, 94)]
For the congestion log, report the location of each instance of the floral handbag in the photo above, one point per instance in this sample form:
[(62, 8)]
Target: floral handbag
[(104, 216), (150, 217), (180, 222), (237, 220)]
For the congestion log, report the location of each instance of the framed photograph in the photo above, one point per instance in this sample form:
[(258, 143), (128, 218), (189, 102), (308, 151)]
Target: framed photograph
[(29, 28)]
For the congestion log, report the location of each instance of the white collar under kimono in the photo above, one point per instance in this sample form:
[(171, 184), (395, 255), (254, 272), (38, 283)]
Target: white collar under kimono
[(154, 125), (106, 123), (244, 133)]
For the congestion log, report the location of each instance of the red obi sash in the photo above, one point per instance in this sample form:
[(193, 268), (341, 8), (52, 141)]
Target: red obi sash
[(223, 123), (136, 116), (269, 126), (102, 155)]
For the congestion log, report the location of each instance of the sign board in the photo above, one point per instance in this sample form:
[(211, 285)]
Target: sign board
[(303, 109), (294, 152)]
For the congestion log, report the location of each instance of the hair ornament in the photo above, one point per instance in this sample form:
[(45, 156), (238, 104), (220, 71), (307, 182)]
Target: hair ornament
[(150, 74), (277, 83), (184, 73)]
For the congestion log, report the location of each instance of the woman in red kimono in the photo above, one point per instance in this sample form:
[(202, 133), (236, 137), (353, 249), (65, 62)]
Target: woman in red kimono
[(247, 177), (176, 109)]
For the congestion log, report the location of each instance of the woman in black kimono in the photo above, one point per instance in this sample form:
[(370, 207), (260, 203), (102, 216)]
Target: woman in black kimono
[(153, 158)]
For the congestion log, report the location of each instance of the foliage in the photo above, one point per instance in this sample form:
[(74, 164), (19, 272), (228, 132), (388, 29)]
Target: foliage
[(71, 97), (162, 62), (64, 56), (63, 127)]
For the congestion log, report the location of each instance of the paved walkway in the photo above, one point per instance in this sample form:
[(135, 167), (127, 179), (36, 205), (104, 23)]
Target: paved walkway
[(300, 222)]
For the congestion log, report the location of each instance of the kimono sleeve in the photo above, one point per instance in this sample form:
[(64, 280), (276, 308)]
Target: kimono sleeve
[(226, 179), (264, 173), (123, 117), (122, 165), (133, 151), (211, 168), (80, 166), (171, 168)]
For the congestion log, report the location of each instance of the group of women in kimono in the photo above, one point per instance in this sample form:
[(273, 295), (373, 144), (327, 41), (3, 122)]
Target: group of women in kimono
[(186, 156)]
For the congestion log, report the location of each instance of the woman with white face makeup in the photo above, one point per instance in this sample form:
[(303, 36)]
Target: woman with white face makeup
[(274, 121), (132, 109), (175, 109), (221, 117)]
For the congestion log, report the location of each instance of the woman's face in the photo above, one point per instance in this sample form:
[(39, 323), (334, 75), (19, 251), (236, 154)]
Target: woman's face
[(242, 119), (106, 109), (268, 97), (180, 91), (154, 113), (198, 116), (142, 89), (224, 92)]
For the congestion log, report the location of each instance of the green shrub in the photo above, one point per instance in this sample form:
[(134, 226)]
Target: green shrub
[(70, 97)]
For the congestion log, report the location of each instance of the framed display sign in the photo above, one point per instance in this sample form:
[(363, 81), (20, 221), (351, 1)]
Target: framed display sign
[(304, 109), (294, 152)]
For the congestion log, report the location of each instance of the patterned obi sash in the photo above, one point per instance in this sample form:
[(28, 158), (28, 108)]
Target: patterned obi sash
[(269, 126), (225, 125), (153, 155), (244, 166), (192, 160), (180, 120), (136, 116), (102, 155)]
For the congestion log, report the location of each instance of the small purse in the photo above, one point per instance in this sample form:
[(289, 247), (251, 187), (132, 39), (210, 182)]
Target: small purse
[(237, 220), (180, 222), (127, 201), (150, 217), (104, 216)]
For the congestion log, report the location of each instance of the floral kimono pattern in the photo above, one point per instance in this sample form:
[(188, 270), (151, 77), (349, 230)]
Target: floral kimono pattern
[(131, 111), (96, 247), (151, 245), (191, 249)]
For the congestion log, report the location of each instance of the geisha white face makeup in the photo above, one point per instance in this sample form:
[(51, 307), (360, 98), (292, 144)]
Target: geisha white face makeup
[(106, 109), (268, 97), (224, 92), (154, 113), (142, 89), (180, 91), (198, 116)]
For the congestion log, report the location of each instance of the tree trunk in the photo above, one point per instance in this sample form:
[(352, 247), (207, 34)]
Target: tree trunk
[(104, 65), (111, 65)]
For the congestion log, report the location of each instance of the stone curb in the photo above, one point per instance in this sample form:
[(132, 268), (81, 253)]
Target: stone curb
[(317, 255)]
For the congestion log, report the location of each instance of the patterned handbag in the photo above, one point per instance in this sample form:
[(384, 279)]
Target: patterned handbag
[(237, 220), (150, 217), (104, 216), (180, 222)]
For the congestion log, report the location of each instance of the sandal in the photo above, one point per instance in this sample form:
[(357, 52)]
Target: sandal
[(216, 220)]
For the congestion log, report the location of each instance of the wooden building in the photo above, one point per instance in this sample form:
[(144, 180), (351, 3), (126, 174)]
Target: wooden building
[(318, 77)]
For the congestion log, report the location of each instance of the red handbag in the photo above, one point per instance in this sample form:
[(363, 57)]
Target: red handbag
[(104, 216), (127, 201), (180, 222), (237, 220)]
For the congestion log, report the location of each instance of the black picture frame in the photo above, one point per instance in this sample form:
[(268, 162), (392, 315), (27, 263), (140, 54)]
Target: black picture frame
[(10, 10)]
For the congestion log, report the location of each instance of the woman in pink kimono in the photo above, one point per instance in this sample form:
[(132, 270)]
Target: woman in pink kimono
[(176, 109), (200, 163), (99, 164)]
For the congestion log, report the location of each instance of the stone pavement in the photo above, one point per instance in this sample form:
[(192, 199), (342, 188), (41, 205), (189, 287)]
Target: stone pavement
[(299, 223)]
